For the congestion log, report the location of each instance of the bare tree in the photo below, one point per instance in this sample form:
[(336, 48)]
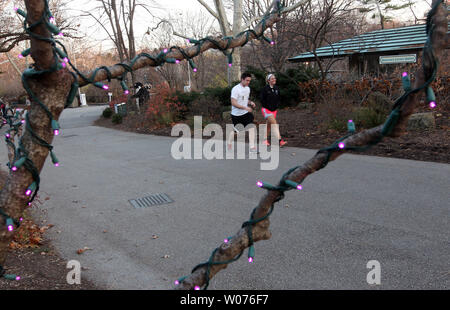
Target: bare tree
[(117, 19), (168, 32), (243, 19), (52, 89), (12, 32), (381, 9)]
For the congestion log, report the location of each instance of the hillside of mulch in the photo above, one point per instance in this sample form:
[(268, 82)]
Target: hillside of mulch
[(307, 128)]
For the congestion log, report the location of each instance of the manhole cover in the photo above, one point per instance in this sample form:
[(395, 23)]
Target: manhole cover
[(149, 201)]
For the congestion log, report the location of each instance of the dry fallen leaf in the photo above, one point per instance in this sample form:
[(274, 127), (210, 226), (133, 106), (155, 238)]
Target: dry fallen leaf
[(35, 240), (155, 237), (81, 251), (166, 256)]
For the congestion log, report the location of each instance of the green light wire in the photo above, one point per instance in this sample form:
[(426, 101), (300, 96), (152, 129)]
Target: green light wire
[(285, 184)]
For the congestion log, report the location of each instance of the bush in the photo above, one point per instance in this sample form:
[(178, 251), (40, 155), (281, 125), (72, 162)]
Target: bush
[(107, 113), (117, 119), (186, 99), (366, 117), (338, 125), (287, 81), (222, 94), (208, 107), (164, 107)]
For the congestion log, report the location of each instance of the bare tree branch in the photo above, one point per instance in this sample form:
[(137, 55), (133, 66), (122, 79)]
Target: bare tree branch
[(211, 11), (142, 62), (229, 250)]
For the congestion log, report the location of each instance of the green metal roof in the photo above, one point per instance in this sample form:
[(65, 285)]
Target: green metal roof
[(407, 39)]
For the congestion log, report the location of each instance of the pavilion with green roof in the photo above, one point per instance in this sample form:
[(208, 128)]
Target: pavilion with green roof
[(372, 51)]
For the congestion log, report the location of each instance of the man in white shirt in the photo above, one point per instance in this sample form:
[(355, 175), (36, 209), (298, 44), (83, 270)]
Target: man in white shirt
[(241, 111)]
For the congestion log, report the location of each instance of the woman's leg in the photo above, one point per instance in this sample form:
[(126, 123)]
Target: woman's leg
[(272, 121)]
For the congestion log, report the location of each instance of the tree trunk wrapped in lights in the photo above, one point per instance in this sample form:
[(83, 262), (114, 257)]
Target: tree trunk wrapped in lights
[(53, 87)]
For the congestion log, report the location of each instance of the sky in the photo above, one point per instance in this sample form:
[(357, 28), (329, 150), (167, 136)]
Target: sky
[(180, 7), (143, 19)]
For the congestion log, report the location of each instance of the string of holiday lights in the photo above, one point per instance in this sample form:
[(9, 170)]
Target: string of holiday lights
[(13, 120), (61, 59), (286, 184)]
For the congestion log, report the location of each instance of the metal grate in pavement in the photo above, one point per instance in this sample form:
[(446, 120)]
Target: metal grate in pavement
[(150, 201)]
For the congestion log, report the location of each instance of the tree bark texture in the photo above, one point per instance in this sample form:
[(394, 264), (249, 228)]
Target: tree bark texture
[(117, 70), (52, 89)]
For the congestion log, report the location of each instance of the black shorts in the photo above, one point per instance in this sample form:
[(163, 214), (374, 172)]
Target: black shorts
[(245, 119)]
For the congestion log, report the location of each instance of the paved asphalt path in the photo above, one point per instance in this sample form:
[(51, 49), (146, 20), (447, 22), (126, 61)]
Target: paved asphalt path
[(359, 208)]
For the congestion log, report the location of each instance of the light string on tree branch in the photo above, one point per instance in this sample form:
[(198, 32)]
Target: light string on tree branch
[(338, 146), (61, 59)]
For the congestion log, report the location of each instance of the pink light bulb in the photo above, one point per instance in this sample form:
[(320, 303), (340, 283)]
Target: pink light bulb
[(18, 278), (22, 121), (56, 132), (10, 228), (197, 288), (404, 74), (195, 70), (61, 34), (56, 164), (105, 87), (177, 61), (341, 145), (177, 282), (20, 56), (66, 59), (51, 19), (250, 259), (259, 183), (432, 104), (28, 192), (350, 121), (126, 92), (272, 43), (63, 64), (226, 240), (21, 219), (299, 187), (8, 135), (230, 65), (165, 50), (14, 168)]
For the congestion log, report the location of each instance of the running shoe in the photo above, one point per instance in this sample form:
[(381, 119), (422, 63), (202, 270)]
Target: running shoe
[(282, 143), (266, 142)]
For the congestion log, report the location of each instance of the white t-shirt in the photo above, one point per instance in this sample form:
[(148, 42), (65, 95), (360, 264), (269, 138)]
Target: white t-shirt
[(241, 95)]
